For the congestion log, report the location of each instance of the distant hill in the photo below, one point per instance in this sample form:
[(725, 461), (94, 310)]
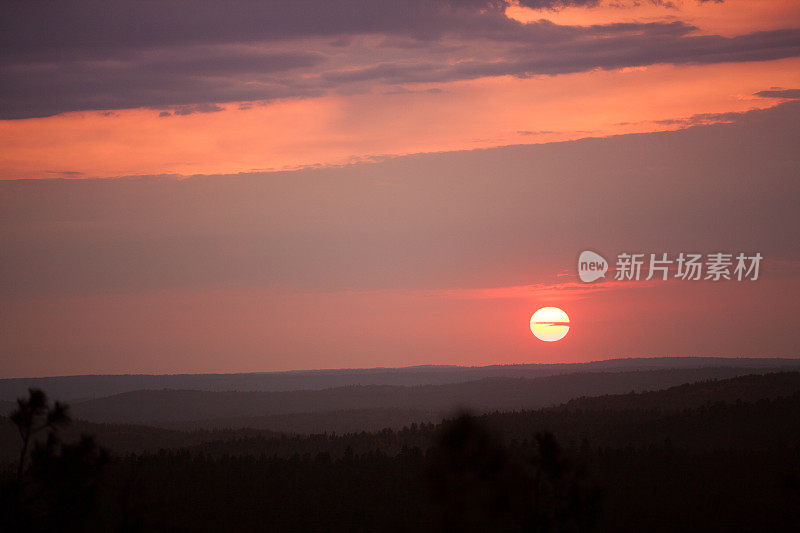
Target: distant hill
[(749, 388), (341, 421), (727, 443), (755, 412), (687, 413), (73, 388), (713, 467), (246, 409)]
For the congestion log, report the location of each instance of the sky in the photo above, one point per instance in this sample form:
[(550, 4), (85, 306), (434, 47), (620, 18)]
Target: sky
[(258, 186)]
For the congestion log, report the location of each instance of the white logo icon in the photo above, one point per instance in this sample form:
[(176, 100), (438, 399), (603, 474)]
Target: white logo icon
[(591, 266)]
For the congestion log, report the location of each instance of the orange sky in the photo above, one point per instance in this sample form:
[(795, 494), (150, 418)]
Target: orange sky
[(201, 258), (247, 330), (380, 120), (730, 17)]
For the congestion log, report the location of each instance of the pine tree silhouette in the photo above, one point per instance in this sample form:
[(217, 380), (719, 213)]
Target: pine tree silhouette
[(34, 415), (55, 489)]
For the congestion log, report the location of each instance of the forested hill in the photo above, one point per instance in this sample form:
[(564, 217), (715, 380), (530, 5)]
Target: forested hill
[(655, 461), (723, 414), (238, 409), (748, 388), (748, 411), (74, 388)]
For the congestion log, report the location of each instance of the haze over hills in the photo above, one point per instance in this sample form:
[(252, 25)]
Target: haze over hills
[(741, 389), (399, 404), (724, 444), (607, 418), (649, 455), (747, 412), (73, 388)]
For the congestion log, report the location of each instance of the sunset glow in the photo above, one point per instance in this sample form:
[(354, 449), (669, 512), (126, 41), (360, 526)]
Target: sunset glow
[(181, 189)]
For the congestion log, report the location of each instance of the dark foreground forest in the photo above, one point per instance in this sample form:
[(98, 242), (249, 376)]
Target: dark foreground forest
[(712, 456)]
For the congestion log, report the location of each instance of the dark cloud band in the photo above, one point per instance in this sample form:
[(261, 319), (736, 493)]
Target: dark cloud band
[(74, 56)]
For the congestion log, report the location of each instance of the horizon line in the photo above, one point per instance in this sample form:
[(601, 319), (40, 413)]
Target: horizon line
[(412, 367)]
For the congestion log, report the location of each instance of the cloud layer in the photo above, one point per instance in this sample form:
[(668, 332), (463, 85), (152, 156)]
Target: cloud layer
[(500, 217), (122, 54)]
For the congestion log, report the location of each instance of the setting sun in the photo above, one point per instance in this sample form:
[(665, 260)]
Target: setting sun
[(550, 324)]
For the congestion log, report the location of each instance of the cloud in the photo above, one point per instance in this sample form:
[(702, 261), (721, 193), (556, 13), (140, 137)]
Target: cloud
[(434, 221), (66, 173), (125, 54), (701, 119), (188, 78), (606, 47), (557, 4), (789, 94), (197, 108)]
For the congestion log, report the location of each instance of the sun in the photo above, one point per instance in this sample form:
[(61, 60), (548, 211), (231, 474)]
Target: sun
[(550, 324)]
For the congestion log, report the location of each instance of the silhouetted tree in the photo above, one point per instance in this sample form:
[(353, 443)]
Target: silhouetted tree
[(34, 415), (58, 488)]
